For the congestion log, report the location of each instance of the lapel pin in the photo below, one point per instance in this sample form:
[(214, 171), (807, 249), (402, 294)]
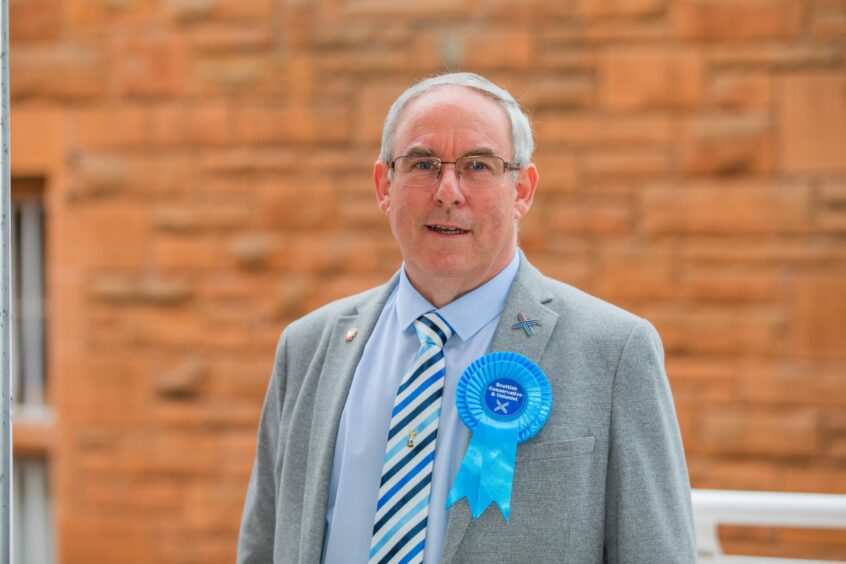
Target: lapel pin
[(351, 335), (525, 323)]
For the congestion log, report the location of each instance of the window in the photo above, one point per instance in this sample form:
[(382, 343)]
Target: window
[(32, 415)]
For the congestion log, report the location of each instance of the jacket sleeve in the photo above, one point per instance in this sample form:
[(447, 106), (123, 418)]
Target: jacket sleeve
[(258, 523), (648, 515)]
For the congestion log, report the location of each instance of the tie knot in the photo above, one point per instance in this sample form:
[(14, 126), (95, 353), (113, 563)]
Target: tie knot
[(432, 328)]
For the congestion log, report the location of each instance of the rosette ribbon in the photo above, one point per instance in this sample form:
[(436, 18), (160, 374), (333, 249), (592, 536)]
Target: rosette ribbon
[(504, 399)]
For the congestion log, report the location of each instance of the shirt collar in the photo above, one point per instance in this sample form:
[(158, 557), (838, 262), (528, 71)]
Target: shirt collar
[(466, 315)]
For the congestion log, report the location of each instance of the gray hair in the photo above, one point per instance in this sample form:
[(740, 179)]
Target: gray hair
[(522, 142)]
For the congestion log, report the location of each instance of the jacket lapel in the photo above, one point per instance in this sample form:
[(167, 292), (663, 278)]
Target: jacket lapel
[(335, 377), (527, 295)]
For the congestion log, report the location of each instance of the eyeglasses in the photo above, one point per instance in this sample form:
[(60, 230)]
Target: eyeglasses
[(472, 171)]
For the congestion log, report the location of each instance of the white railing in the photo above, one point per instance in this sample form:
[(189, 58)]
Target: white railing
[(712, 508)]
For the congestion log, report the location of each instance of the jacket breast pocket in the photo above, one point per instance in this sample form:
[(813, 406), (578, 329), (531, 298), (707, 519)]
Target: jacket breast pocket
[(549, 450)]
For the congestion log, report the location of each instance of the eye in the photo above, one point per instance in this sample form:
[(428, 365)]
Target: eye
[(476, 165), (424, 165)]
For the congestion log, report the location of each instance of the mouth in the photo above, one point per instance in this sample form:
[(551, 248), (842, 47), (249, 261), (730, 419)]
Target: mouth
[(446, 230)]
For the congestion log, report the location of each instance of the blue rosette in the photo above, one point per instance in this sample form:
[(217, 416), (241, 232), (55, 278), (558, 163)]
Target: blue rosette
[(504, 399)]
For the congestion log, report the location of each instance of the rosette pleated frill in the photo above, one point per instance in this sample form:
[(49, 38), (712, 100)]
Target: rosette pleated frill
[(504, 399)]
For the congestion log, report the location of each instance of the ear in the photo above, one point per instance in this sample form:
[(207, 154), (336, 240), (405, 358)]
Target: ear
[(383, 185), (525, 190)]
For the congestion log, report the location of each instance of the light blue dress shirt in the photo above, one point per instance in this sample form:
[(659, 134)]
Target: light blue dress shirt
[(363, 431)]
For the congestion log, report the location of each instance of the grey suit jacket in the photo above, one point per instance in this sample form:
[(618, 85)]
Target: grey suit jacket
[(603, 481)]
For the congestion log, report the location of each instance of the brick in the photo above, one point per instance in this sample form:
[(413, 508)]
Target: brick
[(371, 60), (727, 146), (635, 272), (618, 8), (557, 171), (241, 73), (792, 383), (774, 57), (741, 90), (732, 473), (818, 308), (739, 429), (110, 390), (36, 20), (560, 92), (183, 380), (228, 166), (282, 207), (738, 249), (724, 19), (828, 19), (224, 37), (641, 78), (510, 48), (188, 11), (567, 57), (699, 379), (92, 19), (627, 164), (201, 217), (102, 175), (812, 117), (580, 130), (101, 538), (611, 31), (106, 235), (253, 251), (586, 217), (721, 284), (264, 123), (147, 66), (151, 291), (388, 8), (725, 209), (717, 331), (57, 71), (38, 138), (373, 102), (241, 377), (109, 127), (181, 253)]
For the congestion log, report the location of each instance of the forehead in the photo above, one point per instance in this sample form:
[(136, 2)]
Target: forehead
[(453, 118)]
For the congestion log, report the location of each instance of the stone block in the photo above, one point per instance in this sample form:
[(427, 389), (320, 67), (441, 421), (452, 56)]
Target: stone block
[(741, 90), (619, 8), (58, 71), (818, 311), (148, 66), (727, 145), (635, 272), (724, 19), (812, 122), (743, 430), (604, 131), (645, 77), (726, 208)]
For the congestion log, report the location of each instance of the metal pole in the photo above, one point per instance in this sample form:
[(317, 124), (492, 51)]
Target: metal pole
[(5, 299)]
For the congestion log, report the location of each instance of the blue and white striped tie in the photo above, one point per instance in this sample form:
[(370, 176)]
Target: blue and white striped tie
[(399, 530)]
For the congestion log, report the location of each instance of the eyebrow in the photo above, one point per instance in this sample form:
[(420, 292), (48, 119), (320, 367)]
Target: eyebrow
[(420, 151)]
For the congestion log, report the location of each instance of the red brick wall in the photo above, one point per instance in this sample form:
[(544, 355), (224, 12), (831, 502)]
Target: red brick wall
[(207, 165)]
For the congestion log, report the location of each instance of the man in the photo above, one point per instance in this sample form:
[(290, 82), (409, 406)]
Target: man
[(348, 470)]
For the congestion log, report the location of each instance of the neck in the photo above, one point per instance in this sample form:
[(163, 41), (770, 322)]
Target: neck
[(439, 291)]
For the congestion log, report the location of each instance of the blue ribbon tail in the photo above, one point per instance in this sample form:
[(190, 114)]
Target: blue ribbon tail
[(487, 470)]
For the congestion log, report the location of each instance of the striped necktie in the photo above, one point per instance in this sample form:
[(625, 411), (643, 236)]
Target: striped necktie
[(399, 530)]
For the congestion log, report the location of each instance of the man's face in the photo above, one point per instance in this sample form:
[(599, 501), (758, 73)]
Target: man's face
[(449, 234)]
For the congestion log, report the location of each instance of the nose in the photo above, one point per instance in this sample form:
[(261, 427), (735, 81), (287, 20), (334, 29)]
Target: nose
[(448, 192)]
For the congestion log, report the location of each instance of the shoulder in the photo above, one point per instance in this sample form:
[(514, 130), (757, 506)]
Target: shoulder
[(582, 316), (324, 318)]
